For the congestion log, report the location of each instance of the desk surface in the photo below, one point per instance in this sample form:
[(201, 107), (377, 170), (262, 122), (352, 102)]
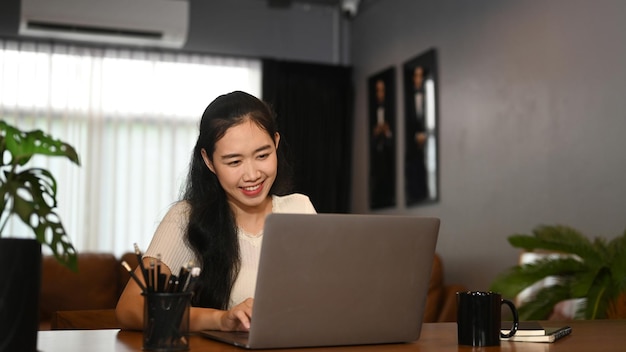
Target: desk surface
[(598, 335)]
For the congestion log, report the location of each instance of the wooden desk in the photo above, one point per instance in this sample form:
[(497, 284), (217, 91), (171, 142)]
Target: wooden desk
[(599, 335)]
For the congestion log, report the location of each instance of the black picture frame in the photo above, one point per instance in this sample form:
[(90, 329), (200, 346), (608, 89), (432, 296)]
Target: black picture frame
[(382, 138), (421, 122)]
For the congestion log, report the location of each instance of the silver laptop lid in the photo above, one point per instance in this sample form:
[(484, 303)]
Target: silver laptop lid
[(342, 279)]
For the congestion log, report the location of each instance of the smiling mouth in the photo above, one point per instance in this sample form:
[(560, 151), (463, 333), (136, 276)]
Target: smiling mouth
[(251, 188)]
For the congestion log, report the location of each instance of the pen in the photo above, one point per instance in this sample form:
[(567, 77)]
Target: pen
[(184, 276), (175, 285), (160, 278), (144, 272), (195, 272), (151, 281), (171, 283), (132, 274)]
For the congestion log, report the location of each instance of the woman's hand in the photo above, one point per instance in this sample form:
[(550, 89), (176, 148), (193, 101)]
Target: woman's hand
[(238, 318)]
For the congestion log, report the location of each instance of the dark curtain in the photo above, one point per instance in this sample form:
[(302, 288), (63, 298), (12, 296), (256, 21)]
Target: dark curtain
[(313, 104)]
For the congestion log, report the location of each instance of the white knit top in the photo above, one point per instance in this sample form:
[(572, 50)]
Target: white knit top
[(168, 241)]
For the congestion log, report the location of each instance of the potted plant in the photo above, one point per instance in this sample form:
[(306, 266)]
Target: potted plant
[(30, 195), (592, 270)]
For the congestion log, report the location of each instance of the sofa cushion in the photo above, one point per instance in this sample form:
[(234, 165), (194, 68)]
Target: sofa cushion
[(94, 286), (434, 299)]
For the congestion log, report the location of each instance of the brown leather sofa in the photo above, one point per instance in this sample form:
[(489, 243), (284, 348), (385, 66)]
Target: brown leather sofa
[(441, 299), (91, 293), (87, 299)]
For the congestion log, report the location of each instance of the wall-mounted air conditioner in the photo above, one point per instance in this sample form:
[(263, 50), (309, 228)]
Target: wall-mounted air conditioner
[(160, 23)]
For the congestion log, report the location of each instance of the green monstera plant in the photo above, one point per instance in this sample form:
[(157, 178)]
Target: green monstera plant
[(594, 270), (30, 193)]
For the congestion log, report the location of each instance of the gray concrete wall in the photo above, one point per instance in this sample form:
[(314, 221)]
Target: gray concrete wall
[(532, 118)]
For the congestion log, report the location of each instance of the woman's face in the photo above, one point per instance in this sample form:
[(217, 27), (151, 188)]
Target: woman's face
[(245, 164)]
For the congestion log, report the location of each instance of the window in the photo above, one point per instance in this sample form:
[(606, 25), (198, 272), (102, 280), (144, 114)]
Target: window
[(132, 115)]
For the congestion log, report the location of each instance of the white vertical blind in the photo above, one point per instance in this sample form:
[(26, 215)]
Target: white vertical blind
[(132, 116)]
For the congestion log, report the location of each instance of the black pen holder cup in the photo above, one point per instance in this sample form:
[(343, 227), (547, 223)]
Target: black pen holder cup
[(166, 321), (479, 318)]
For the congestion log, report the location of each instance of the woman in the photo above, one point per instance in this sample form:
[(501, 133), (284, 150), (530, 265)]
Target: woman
[(236, 178)]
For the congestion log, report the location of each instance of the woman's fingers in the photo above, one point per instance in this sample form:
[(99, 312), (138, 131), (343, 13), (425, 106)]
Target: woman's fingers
[(239, 317)]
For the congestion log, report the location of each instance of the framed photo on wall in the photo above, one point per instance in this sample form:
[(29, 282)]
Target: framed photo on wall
[(382, 139), (421, 170)]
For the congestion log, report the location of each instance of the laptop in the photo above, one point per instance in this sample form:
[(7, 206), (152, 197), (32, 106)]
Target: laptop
[(339, 279)]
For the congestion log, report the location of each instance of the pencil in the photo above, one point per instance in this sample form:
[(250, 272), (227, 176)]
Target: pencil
[(132, 274)]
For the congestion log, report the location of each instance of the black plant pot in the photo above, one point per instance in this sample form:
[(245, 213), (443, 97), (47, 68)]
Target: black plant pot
[(20, 259)]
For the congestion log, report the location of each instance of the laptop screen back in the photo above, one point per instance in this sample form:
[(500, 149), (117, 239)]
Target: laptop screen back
[(342, 279)]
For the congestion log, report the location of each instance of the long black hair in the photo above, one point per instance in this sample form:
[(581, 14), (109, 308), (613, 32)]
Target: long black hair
[(212, 230)]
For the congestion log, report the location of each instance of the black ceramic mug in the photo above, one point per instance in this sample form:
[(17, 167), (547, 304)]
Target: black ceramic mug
[(479, 318)]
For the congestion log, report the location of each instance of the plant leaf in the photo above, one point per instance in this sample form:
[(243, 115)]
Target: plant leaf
[(30, 194), (592, 270), (599, 296), (39, 214), (49, 230), (559, 238), (617, 254), (542, 304), (37, 183), (517, 278), (583, 282), (23, 145)]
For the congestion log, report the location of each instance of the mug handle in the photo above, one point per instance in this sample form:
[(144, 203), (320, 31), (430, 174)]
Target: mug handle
[(515, 319)]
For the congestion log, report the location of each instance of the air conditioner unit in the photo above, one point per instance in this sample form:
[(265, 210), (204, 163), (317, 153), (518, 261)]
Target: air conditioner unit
[(160, 23)]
